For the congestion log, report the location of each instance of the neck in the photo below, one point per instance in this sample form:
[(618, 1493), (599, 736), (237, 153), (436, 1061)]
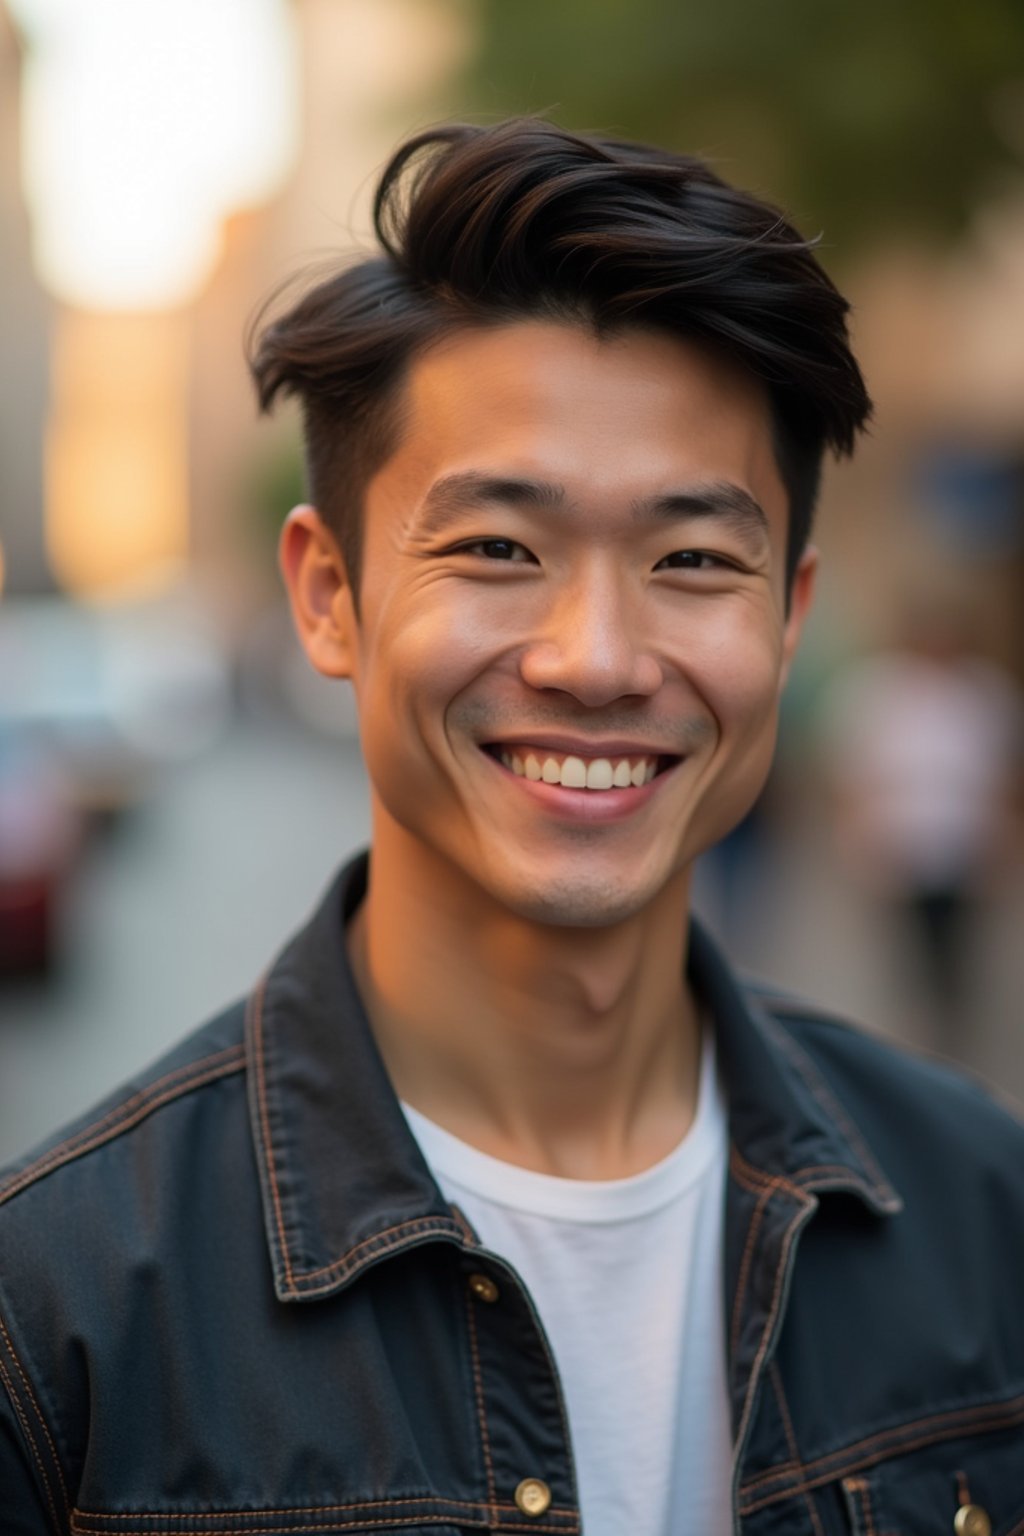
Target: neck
[(573, 1051)]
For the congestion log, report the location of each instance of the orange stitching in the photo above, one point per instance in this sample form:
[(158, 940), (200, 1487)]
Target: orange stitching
[(143, 1100), (258, 1530), (820, 1091), (292, 1509), (569, 1527), (859, 1486), (428, 1223), (481, 1412), (256, 1015), (869, 1508), (958, 1417), (951, 1421), (752, 1186), (142, 1113), (1018, 1529), (757, 1179), (26, 1383), (139, 1096), (818, 1168), (315, 1509), (875, 1456), (794, 1450), (745, 1263), (798, 1183), (462, 1221), (30, 1439), (787, 1243), (963, 1491)]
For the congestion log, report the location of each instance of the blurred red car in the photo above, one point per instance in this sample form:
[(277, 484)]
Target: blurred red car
[(94, 702), (39, 839)]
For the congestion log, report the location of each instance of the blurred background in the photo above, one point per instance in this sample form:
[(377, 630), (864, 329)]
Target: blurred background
[(176, 786)]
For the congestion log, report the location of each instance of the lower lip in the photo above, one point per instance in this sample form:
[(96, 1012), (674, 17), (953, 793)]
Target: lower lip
[(586, 805)]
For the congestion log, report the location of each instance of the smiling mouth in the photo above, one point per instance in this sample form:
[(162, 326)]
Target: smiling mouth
[(540, 765)]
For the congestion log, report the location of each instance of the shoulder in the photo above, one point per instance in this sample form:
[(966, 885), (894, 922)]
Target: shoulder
[(927, 1120), (105, 1228), (141, 1118)]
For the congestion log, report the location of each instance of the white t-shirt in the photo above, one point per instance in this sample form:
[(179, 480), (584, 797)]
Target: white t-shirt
[(626, 1275)]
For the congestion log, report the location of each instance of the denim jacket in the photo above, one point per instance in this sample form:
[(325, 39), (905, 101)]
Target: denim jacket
[(233, 1299)]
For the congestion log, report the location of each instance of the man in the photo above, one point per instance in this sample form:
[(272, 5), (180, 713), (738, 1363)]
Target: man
[(500, 1199)]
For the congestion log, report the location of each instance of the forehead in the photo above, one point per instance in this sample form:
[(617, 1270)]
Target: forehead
[(609, 418)]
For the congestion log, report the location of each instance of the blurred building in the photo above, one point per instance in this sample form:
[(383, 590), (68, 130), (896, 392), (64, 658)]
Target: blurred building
[(155, 465), (369, 68), (932, 507)]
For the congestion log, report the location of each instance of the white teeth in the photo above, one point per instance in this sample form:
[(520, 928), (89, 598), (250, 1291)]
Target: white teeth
[(574, 773), (599, 774)]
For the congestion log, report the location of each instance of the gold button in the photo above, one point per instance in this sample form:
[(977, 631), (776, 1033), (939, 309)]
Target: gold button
[(483, 1288), (972, 1520), (534, 1497)]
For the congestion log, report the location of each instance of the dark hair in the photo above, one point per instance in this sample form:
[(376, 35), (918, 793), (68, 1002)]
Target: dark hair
[(524, 219)]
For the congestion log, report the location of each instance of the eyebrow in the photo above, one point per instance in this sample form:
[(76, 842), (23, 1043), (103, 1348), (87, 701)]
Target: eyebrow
[(729, 504), (722, 500), (463, 492)]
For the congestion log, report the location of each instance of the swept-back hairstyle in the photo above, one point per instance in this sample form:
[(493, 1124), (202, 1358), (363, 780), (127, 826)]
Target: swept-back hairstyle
[(481, 226)]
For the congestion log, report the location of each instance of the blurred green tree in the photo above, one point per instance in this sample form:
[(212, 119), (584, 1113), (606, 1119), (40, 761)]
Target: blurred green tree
[(860, 118), (273, 483)]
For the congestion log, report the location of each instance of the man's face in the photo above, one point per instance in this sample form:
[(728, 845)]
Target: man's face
[(573, 570)]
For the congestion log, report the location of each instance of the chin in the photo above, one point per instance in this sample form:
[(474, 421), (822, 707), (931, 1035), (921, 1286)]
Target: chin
[(576, 901)]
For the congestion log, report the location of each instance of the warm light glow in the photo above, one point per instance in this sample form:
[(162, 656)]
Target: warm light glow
[(146, 121), (116, 465)]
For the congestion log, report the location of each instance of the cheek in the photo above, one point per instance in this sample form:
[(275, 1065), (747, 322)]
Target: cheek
[(450, 629), (735, 664), (430, 656), (739, 684), (426, 650)]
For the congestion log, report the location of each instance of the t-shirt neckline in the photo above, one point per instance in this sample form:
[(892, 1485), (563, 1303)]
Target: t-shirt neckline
[(593, 1201)]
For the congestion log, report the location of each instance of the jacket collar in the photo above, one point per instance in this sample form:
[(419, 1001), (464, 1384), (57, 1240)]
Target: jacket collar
[(343, 1181), (786, 1122)]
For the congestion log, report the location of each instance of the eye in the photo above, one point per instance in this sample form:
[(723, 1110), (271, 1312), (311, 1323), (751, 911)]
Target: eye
[(694, 560), (497, 549)]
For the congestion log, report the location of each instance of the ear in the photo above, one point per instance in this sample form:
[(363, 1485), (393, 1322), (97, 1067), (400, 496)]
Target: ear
[(801, 596), (319, 592)]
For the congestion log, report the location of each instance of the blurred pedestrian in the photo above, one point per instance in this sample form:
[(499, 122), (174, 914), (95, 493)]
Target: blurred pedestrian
[(925, 750)]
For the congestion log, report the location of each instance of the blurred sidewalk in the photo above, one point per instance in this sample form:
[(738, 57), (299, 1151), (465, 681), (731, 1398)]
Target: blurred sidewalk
[(178, 909)]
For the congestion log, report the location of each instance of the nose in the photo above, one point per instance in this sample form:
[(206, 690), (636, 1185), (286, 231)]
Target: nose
[(592, 643)]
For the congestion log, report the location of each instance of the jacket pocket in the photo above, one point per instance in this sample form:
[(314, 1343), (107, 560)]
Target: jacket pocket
[(964, 1488)]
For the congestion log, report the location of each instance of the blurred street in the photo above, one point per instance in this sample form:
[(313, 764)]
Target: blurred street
[(176, 910)]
